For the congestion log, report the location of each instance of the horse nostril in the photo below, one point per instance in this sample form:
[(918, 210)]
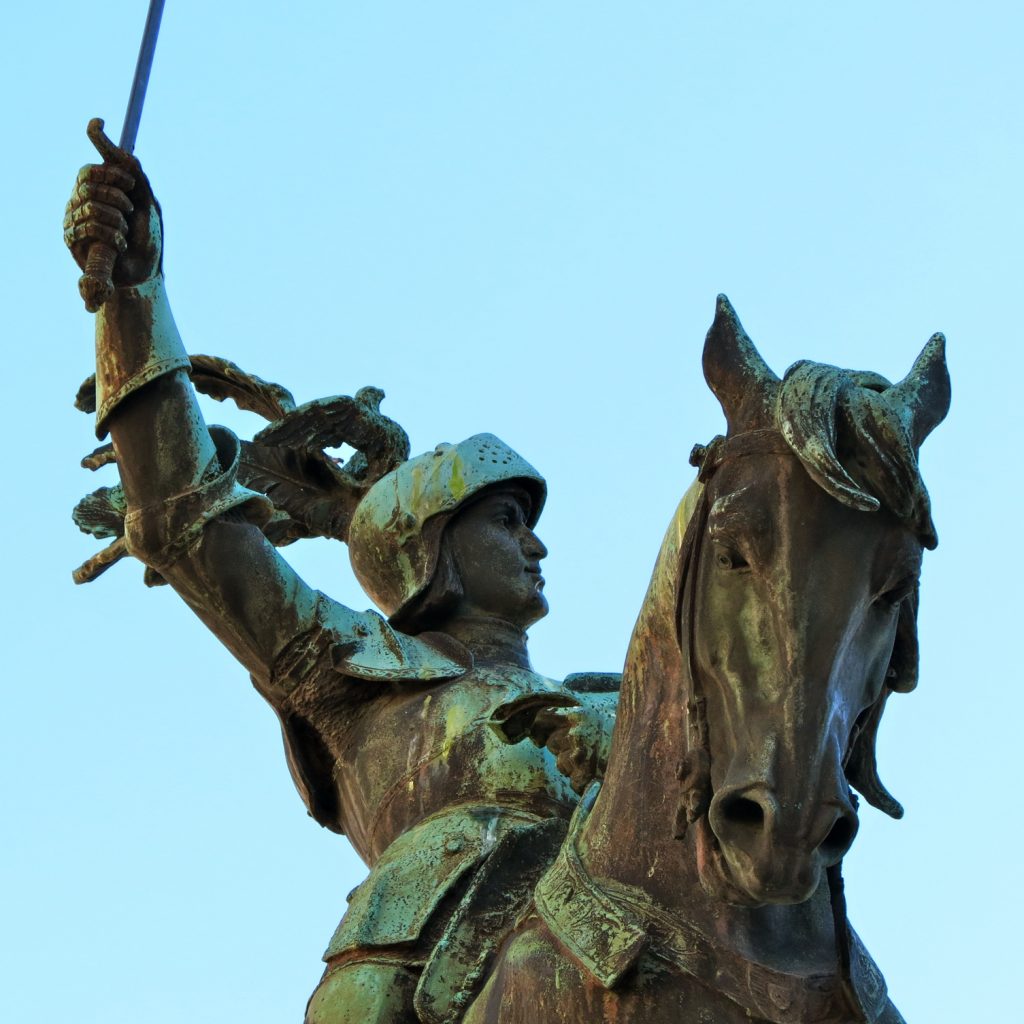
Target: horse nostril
[(838, 840), (742, 813)]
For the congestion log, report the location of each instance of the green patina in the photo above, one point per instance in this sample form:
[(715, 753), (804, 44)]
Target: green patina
[(457, 480), (400, 734)]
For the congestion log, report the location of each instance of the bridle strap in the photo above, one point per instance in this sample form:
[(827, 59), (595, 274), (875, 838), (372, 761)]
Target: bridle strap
[(708, 457), (695, 767), (860, 985), (694, 770)]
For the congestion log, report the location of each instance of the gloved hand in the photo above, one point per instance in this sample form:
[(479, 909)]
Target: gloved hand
[(113, 203)]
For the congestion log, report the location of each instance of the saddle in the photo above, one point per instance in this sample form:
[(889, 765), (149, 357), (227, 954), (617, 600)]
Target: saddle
[(501, 890)]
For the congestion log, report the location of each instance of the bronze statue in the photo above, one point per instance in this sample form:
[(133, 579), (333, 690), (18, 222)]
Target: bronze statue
[(779, 619), (393, 729)]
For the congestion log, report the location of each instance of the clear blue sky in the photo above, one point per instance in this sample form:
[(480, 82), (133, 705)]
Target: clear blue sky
[(512, 217)]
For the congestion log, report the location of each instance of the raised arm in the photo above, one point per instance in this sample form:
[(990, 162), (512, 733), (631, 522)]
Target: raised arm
[(187, 516)]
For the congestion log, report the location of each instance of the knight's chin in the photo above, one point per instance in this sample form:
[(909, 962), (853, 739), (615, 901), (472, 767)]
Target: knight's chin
[(734, 879)]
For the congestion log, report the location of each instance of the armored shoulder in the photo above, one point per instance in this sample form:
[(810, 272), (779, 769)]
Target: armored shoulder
[(362, 645), (344, 647)]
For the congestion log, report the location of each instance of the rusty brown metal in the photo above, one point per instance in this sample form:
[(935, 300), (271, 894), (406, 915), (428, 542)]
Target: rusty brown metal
[(699, 880)]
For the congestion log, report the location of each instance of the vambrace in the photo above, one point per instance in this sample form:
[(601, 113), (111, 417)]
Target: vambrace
[(137, 341)]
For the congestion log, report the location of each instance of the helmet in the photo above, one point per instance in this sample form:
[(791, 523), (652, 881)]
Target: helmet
[(395, 535)]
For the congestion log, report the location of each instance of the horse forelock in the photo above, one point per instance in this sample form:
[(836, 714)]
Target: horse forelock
[(850, 433)]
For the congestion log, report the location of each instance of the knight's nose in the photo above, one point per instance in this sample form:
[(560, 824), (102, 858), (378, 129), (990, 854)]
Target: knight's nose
[(533, 546)]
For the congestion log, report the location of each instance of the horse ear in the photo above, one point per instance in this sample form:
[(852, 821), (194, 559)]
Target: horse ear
[(922, 397), (736, 373)]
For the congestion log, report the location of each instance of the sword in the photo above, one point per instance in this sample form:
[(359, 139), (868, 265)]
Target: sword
[(96, 284)]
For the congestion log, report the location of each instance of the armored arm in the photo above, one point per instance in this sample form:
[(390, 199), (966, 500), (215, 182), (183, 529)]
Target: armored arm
[(187, 518), (575, 724), (580, 737)]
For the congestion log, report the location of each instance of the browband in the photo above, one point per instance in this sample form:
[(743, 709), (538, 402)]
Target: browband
[(708, 457)]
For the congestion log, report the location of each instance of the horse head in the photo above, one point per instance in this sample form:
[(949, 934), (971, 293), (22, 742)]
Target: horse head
[(797, 607)]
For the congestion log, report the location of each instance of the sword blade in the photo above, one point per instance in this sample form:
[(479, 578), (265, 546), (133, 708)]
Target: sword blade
[(142, 68)]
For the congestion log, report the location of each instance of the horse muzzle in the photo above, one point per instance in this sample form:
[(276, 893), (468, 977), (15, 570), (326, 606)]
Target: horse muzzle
[(773, 853)]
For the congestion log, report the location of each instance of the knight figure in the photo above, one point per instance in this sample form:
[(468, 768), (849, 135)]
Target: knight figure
[(401, 730)]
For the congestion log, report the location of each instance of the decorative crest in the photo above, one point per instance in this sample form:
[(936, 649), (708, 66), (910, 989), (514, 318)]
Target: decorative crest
[(314, 493)]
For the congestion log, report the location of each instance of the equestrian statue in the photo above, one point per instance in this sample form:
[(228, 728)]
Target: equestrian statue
[(525, 861)]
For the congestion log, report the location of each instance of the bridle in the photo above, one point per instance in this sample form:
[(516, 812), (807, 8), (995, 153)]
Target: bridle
[(694, 770)]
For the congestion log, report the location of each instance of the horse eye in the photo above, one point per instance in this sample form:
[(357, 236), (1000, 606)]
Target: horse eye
[(729, 559)]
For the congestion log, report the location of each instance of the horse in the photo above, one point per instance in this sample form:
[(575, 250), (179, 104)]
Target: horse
[(700, 882)]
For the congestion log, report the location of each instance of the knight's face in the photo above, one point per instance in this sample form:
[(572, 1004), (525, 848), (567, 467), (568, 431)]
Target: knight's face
[(498, 558)]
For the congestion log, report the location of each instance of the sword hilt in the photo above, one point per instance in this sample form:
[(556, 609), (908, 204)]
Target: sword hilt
[(96, 285)]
